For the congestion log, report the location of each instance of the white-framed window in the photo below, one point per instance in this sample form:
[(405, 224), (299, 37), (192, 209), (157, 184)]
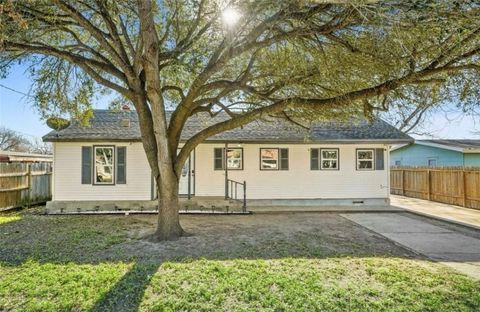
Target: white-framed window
[(329, 159), (234, 158), (432, 162), (398, 162), (365, 159), (269, 159), (324, 159), (273, 158), (104, 164)]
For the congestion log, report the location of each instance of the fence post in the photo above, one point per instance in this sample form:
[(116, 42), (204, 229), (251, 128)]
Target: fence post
[(464, 178), (403, 182), (429, 181), (29, 181)]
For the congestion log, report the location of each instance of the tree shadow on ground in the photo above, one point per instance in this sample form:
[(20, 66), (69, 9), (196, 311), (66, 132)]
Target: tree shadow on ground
[(105, 239), (127, 293)]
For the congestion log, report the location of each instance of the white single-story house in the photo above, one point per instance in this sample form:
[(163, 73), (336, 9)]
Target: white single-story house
[(281, 163)]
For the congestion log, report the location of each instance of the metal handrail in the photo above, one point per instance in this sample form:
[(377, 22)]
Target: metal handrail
[(232, 192)]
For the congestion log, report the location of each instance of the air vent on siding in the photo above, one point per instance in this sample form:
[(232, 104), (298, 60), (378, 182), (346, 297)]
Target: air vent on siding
[(125, 121)]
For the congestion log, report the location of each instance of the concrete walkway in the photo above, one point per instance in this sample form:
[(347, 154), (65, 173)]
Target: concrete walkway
[(338, 209), (450, 247), (456, 214)]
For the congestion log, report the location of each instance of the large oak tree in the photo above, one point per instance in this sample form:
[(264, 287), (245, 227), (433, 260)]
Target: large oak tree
[(299, 60)]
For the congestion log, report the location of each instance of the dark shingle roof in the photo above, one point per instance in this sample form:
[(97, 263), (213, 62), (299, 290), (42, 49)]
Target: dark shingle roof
[(106, 126)]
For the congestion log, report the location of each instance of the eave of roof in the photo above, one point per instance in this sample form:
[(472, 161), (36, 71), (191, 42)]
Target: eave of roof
[(448, 147), (399, 146)]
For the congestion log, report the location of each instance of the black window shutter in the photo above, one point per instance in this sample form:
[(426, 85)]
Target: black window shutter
[(121, 165), (379, 161), (283, 159), (314, 159), (218, 156), (86, 165)]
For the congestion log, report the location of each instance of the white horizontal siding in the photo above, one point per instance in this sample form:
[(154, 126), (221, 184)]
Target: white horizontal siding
[(67, 175), (296, 183), (299, 181)]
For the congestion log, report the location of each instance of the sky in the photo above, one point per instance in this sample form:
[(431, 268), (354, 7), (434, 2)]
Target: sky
[(17, 113)]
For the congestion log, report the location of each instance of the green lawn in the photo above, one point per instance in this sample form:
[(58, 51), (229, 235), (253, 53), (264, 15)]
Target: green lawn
[(93, 264), (9, 218)]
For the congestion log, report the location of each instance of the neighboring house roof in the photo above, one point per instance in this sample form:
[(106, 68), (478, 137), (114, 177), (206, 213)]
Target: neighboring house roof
[(463, 146), (106, 125), (7, 156)]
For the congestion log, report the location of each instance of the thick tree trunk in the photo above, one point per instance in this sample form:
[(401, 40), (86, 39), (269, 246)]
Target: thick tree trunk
[(167, 181), (168, 205)]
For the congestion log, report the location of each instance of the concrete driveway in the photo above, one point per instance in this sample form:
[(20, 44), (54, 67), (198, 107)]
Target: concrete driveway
[(455, 247), (451, 213)]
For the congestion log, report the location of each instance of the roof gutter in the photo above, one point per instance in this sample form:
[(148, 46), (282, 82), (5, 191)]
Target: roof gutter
[(442, 146)]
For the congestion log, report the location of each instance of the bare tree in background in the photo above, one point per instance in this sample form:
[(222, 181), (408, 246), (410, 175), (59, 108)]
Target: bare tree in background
[(37, 146), (12, 141)]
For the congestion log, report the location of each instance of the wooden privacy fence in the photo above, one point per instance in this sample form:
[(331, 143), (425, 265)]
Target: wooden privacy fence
[(455, 186), (23, 184)]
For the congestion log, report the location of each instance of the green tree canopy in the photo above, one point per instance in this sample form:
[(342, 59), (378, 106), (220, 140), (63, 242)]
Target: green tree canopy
[(299, 60)]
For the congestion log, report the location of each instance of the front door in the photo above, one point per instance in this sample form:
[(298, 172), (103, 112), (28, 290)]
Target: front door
[(185, 185)]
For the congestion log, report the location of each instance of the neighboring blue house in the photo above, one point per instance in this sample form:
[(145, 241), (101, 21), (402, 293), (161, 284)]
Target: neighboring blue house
[(437, 153)]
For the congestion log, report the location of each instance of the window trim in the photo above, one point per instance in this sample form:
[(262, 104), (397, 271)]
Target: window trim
[(94, 167), (278, 159), (357, 161), (224, 156), (320, 159), (430, 159)]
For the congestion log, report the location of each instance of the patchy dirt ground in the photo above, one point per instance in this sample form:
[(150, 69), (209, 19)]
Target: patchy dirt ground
[(117, 238), (257, 236)]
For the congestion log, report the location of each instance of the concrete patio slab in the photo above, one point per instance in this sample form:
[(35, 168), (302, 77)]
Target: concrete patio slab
[(384, 223), (452, 248)]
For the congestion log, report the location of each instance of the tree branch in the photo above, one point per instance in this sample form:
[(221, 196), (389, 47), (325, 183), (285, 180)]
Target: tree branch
[(98, 34), (306, 103)]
